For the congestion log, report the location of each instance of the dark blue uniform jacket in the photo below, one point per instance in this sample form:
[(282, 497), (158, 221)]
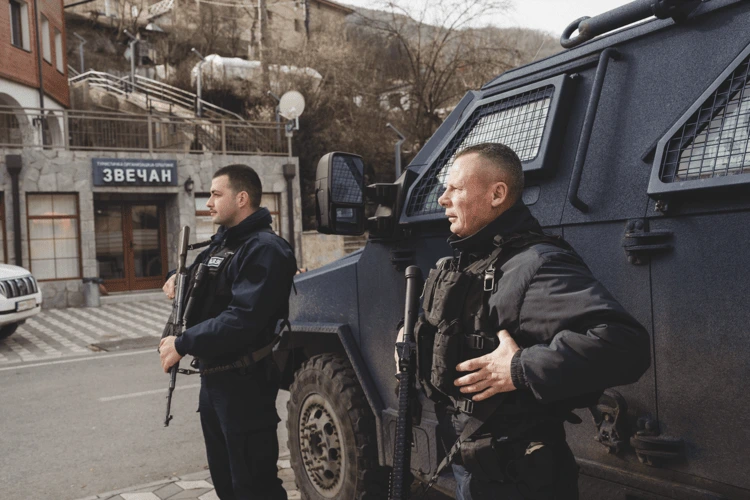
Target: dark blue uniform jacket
[(260, 275)]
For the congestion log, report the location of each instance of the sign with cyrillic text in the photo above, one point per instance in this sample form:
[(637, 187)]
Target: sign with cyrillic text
[(134, 172)]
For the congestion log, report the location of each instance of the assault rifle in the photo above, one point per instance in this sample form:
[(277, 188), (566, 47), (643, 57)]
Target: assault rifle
[(401, 475), (180, 310)]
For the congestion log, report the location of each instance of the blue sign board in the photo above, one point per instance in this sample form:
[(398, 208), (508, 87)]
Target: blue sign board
[(134, 172)]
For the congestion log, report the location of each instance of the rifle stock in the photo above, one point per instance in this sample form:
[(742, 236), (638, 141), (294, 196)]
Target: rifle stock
[(400, 477)]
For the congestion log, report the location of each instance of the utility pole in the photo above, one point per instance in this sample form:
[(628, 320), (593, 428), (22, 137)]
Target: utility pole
[(401, 139), (264, 42), (81, 43)]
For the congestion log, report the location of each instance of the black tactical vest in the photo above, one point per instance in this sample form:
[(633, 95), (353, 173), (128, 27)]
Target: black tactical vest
[(455, 326)]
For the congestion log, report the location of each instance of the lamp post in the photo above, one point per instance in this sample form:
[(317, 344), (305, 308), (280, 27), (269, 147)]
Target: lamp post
[(199, 83), (133, 42)]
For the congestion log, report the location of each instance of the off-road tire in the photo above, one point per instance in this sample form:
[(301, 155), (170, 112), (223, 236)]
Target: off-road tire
[(327, 409), (8, 330)]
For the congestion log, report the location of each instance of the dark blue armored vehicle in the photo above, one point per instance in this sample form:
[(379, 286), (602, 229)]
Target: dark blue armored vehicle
[(636, 147)]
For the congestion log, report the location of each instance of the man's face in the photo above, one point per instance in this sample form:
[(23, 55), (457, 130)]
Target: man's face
[(222, 204), (468, 198)]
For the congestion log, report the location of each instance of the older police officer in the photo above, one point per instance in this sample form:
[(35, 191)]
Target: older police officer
[(516, 333), (250, 272)]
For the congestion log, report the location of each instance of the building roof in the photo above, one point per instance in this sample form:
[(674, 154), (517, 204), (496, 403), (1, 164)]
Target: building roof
[(334, 5)]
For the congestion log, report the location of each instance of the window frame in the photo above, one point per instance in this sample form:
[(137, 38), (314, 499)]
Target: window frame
[(44, 28), (23, 25), (657, 189), (59, 51), (544, 161), (48, 217)]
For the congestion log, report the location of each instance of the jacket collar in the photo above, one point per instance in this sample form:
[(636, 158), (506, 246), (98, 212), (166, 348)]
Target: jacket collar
[(517, 219), (259, 219)]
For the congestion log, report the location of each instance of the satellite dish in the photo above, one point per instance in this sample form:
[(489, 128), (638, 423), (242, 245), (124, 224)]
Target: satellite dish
[(291, 105)]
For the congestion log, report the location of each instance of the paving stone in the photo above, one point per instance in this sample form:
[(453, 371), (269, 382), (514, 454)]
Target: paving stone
[(211, 495), (193, 485), (294, 495), (167, 491), (286, 475), (283, 464), (139, 496), (196, 476), (190, 494)]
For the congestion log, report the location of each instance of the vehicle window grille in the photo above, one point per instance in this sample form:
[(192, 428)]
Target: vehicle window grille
[(31, 284), (517, 121), (714, 142), (347, 172), (15, 292)]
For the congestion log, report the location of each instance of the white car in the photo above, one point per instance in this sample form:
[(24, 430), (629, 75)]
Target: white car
[(20, 298)]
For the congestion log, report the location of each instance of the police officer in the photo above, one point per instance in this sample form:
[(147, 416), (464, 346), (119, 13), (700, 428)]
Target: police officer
[(516, 333), (250, 273)]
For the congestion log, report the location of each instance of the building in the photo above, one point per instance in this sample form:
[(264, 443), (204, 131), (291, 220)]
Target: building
[(89, 194)]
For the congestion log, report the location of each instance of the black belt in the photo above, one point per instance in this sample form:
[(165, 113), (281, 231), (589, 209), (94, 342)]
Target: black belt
[(246, 361)]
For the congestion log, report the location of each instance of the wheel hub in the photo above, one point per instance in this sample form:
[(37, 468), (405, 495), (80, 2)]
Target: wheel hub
[(321, 445)]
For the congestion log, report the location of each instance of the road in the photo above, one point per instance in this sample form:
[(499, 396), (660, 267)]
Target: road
[(77, 422)]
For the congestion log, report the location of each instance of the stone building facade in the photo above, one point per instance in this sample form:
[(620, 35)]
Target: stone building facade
[(69, 220)]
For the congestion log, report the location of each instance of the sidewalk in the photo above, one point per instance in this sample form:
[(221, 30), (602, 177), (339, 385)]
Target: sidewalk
[(197, 486)]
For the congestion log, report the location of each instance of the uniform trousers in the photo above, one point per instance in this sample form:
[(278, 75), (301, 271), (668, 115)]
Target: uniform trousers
[(239, 419)]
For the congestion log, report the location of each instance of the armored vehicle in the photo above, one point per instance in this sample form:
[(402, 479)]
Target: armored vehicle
[(635, 145)]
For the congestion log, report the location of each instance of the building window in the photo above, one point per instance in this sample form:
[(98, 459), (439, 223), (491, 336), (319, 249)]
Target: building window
[(46, 48), (59, 51), (19, 24), (271, 202), (3, 244), (298, 25), (54, 244), (205, 228), (10, 129)]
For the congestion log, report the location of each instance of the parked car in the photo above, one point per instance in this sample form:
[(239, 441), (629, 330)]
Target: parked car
[(20, 298)]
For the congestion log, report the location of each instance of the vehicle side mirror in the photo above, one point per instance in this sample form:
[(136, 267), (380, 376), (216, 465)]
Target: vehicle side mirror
[(339, 194)]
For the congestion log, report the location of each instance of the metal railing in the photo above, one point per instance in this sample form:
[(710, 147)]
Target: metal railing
[(100, 131), (153, 91)]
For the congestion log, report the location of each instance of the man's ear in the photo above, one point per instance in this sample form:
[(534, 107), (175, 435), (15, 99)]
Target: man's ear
[(499, 194), (243, 199)]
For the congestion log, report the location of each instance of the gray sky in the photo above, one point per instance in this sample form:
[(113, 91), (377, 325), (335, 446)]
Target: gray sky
[(547, 15)]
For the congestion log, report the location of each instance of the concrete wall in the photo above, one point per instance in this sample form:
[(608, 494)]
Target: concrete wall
[(321, 249), (62, 171)]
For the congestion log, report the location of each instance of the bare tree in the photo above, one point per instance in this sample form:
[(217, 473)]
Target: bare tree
[(442, 53)]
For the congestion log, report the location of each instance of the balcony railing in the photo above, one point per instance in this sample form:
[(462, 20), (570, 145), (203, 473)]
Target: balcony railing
[(98, 131)]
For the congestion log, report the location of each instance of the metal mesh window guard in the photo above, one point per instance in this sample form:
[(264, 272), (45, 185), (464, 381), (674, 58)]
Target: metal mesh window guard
[(348, 175), (714, 142), (517, 121)]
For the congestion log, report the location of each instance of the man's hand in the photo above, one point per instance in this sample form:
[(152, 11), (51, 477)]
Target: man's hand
[(491, 371), (168, 287), (167, 352)]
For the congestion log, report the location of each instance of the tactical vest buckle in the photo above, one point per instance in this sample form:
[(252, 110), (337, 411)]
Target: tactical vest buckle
[(489, 278), (465, 406), (474, 341)]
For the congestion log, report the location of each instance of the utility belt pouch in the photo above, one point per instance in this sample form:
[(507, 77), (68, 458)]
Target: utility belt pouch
[(424, 334), (447, 352), (447, 296), (482, 460)]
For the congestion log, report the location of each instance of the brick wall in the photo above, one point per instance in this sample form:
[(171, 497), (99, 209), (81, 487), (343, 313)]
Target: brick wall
[(21, 66)]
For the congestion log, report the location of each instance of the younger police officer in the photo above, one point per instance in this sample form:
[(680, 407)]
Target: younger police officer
[(250, 273), (516, 333)]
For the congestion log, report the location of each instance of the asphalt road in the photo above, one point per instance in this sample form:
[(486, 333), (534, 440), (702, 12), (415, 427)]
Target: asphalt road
[(75, 427)]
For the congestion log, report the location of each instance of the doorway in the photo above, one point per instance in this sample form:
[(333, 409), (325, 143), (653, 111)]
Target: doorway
[(130, 244)]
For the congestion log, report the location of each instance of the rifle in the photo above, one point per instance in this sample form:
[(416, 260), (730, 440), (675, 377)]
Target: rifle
[(180, 310), (401, 475)]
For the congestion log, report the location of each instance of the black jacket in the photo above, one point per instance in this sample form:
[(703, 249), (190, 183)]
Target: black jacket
[(260, 275), (575, 337)]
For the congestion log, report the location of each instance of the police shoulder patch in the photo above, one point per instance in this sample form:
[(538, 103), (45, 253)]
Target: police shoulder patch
[(215, 261)]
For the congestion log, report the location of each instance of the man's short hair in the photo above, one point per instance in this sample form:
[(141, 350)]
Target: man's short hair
[(243, 178), (506, 161)]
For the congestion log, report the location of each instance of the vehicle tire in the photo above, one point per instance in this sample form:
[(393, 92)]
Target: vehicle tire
[(332, 437), (8, 330)]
